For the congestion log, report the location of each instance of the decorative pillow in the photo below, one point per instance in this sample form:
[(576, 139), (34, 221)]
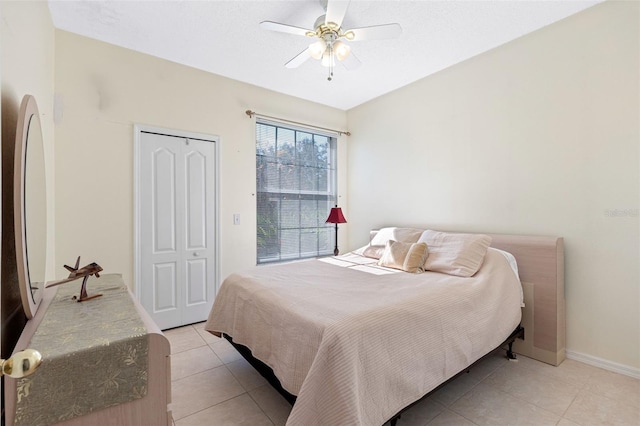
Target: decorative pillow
[(408, 257), (374, 252), (380, 237), (455, 254)]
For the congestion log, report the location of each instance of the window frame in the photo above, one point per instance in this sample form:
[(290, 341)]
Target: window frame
[(328, 196)]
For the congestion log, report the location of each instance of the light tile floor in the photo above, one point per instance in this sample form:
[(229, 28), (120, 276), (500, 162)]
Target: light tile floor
[(213, 385)]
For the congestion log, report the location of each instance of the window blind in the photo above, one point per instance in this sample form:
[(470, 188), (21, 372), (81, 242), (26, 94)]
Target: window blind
[(295, 188)]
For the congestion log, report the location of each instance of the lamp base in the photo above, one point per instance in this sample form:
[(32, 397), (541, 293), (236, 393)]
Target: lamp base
[(336, 251)]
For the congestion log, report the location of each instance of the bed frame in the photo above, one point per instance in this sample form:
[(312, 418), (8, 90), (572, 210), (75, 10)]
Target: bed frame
[(541, 269)]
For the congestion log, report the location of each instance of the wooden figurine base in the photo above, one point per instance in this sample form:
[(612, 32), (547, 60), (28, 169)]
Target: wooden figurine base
[(84, 299), (83, 291)]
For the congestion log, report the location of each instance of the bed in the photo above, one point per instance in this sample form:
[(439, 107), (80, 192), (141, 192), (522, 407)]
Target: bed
[(356, 342)]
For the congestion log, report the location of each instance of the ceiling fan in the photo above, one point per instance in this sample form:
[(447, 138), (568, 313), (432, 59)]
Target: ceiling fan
[(328, 34)]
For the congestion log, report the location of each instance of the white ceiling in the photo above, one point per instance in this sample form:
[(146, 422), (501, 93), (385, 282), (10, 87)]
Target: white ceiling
[(224, 37)]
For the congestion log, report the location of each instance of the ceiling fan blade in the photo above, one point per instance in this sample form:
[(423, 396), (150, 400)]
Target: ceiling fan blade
[(284, 28), (336, 9), (351, 62), (376, 32), (299, 59)]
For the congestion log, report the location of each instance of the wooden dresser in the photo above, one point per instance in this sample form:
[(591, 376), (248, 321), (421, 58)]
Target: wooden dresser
[(82, 341)]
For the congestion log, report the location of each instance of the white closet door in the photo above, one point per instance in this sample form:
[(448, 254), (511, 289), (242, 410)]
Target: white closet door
[(177, 228)]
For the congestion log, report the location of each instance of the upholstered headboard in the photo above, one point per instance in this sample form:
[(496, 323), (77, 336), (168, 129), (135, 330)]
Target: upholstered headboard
[(541, 269)]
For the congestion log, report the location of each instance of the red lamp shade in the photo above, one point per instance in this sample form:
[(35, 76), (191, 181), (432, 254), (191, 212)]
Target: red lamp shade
[(336, 216)]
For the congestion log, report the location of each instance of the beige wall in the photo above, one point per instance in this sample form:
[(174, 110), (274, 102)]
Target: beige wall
[(538, 136), (105, 90), (26, 61)]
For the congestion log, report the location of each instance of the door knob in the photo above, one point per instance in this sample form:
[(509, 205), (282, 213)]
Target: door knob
[(195, 253), (21, 364)]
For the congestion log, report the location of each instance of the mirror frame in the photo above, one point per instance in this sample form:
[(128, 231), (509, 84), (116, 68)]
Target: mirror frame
[(30, 300)]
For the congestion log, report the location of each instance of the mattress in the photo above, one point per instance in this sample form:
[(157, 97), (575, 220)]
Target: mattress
[(356, 342)]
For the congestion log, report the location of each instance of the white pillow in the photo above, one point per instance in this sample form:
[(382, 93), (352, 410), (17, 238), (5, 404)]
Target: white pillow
[(404, 235), (514, 267), (455, 254), (379, 239), (408, 257), (374, 252)]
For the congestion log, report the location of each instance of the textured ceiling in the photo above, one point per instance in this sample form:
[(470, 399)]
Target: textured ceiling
[(224, 37)]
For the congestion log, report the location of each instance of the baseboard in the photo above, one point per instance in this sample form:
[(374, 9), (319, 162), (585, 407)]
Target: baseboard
[(604, 364)]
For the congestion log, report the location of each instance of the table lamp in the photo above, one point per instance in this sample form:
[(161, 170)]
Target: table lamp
[(336, 216)]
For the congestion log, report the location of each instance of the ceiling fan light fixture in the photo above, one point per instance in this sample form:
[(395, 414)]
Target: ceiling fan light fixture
[(330, 43), (328, 60), (341, 50), (317, 49)]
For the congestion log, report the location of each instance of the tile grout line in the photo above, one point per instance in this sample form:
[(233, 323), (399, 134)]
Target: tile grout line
[(454, 412), (228, 399), (481, 381), (200, 372), (473, 387), (570, 404), (260, 406), (526, 402), (468, 371), (214, 405)]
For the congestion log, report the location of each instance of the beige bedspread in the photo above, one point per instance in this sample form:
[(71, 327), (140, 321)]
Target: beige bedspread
[(358, 343)]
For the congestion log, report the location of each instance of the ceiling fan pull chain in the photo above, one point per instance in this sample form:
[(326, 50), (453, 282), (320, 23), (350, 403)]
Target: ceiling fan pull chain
[(331, 59)]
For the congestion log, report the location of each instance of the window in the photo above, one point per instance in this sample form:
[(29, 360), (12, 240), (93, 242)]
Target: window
[(296, 188)]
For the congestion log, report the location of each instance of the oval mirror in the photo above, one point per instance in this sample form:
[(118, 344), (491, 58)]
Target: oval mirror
[(30, 206)]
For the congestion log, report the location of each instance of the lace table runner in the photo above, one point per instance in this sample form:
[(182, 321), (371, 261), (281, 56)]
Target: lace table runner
[(95, 355)]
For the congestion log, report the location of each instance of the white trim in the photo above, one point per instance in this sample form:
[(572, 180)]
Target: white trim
[(136, 211), (605, 364), (137, 130), (298, 127)]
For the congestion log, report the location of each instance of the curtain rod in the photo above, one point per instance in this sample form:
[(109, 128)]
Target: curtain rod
[(339, 132)]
